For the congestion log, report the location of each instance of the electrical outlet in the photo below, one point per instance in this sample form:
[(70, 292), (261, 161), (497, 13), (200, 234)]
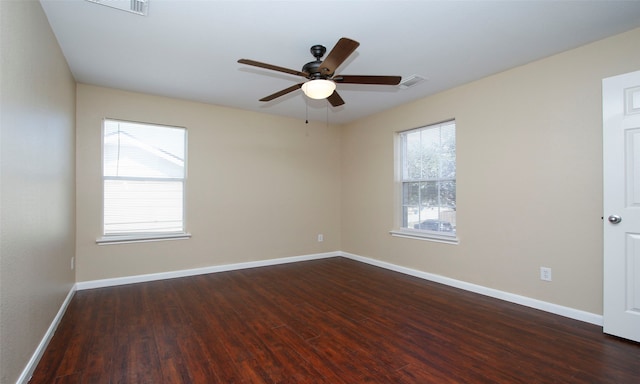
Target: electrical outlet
[(73, 263), (320, 238), (545, 273)]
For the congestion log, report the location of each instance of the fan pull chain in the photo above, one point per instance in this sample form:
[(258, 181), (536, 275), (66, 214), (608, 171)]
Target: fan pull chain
[(306, 116), (327, 114)]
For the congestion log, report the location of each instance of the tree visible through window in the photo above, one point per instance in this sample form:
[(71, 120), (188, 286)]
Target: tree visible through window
[(428, 176), (144, 172)]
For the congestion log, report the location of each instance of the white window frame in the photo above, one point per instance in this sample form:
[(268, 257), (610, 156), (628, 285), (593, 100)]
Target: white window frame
[(132, 237), (399, 229)]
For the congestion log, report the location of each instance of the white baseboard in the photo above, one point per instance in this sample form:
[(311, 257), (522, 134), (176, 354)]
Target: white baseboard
[(198, 271), (572, 313), (27, 372)]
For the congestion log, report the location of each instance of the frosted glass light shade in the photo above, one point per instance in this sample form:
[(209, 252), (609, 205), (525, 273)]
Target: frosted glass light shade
[(318, 89)]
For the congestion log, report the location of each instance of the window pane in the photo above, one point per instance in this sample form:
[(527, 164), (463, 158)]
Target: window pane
[(430, 194), (140, 150), (412, 156), (447, 213), (410, 203), (430, 150), (447, 198), (411, 193), (142, 206), (448, 152)]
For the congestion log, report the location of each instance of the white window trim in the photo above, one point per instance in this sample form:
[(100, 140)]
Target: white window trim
[(125, 239), (141, 237), (409, 233), (423, 235)]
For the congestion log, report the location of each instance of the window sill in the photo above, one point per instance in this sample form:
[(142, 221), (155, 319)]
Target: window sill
[(123, 239), (419, 235)]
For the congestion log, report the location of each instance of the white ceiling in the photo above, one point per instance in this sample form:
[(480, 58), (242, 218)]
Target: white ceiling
[(189, 49)]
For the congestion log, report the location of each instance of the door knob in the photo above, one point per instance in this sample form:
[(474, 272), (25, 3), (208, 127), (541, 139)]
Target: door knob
[(614, 219)]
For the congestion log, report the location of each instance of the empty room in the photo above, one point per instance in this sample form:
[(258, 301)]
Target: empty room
[(319, 191)]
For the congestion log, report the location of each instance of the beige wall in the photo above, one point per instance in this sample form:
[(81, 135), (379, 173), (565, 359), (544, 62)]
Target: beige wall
[(37, 201), (259, 187), (529, 144)]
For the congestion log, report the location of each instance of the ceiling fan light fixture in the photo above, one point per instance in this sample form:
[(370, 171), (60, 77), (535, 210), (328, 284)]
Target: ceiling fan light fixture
[(318, 88)]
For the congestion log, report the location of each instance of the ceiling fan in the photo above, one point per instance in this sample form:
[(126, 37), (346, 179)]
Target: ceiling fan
[(321, 76)]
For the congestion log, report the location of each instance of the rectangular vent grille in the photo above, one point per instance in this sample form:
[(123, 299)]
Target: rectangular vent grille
[(411, 81), (139, 7)]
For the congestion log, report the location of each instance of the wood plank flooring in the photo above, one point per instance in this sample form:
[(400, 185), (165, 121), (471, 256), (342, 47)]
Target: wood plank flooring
[(324, 321)]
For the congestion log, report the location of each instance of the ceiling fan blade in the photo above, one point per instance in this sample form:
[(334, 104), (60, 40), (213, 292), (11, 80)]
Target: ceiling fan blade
[(282, 93), (272, 67), (382, 80), (343, 49), (335, 99)]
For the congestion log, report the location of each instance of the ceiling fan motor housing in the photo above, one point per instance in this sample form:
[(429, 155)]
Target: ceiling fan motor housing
[(313, 67)]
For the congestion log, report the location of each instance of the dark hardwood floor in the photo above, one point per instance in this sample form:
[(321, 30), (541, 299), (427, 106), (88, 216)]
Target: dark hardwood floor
[(326, 321)]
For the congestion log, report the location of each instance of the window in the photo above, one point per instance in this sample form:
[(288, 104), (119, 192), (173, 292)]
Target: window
[(144, 171), (427, 170)]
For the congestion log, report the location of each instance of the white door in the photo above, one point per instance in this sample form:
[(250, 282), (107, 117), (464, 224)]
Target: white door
[(621, 151)]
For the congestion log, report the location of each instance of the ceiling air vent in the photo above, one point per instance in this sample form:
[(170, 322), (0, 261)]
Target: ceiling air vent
[(139, 7), (411, 81)]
